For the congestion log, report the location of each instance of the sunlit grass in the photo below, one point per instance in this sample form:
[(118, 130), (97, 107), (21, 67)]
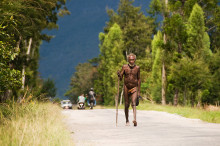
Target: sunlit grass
[(188, 112), (32, 124)]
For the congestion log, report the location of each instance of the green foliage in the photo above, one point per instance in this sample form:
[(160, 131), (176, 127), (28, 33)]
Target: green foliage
[(184, 45), (175, 30), (137, 29), (56, 100), (48, 88), (21, 26), (146, 68), (213, 96), (81, 81), (111, 60), (155, 7), (9, 77), (190, 31), (195, 30), (157, 66), (190, 74)]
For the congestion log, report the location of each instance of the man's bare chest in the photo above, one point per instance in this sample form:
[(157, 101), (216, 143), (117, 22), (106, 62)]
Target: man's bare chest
[(131, 71)]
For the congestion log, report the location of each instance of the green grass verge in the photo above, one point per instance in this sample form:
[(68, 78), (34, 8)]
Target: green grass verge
[(188, 112), (32, 124)]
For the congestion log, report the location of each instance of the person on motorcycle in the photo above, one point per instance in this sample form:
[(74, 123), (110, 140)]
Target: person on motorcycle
[(81, 99), (91, 97)]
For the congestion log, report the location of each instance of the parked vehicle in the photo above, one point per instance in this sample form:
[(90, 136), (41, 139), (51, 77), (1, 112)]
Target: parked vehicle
[(66, 104)]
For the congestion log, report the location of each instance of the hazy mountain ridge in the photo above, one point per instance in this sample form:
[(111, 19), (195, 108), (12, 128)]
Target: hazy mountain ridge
[(76, 40)]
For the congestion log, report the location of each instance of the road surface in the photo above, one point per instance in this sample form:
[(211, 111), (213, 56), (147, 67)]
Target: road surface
[(97, 128)]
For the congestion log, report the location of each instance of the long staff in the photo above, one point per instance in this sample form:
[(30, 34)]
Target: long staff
[(116, 102)]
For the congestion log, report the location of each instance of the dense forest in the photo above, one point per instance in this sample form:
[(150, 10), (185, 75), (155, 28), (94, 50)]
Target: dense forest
[(21, 26), (177, 46)]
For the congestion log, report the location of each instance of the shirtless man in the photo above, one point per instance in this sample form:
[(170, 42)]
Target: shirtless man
[(132, 83)]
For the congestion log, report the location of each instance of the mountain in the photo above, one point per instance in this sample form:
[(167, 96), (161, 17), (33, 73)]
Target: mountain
[(76, 40)]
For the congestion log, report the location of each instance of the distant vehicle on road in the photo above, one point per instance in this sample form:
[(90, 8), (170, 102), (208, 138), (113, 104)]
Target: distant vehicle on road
[(66, 104)]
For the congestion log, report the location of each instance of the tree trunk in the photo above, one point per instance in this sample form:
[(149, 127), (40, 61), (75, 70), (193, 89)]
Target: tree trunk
[(175, 99), (23, 77), (23, 68), (29, 49), (163, 85)]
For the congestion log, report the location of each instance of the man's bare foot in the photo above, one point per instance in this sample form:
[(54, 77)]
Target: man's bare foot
[(135, 123), (127, 124)]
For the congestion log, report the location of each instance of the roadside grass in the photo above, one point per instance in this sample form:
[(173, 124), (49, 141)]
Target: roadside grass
[(188, 112), (32, 124)]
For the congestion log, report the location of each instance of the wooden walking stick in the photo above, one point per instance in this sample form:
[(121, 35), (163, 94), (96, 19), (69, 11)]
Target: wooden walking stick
[(116, 103)]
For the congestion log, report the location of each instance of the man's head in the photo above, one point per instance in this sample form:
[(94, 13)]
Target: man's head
[(91, 89), (131, 58)]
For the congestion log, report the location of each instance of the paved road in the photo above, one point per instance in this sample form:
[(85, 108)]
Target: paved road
[(97, 127)]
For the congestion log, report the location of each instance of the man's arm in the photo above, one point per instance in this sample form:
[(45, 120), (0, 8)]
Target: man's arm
[(139, 82)]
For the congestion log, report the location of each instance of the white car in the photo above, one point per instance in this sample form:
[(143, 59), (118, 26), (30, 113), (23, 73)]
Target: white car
[(66, 104)]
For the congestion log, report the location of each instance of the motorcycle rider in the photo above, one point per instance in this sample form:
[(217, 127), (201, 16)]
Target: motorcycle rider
[(92, 96), (81, 99)]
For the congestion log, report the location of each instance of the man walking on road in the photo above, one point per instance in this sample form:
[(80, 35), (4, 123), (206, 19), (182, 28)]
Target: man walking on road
[(132, 84)]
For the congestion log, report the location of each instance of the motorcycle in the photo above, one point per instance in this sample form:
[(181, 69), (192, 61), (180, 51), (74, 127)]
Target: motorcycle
[(81, 105)]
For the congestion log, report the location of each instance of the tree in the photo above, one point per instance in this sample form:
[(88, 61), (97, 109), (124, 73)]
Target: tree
[(195, 32), (175, 30), (137, 29), (111, 59), (212, 96), (156, 83), (211, 10), (81, 81), (160, 7), (48, 88), (190, 76), (196, 52), (9, 77), (30, 19)]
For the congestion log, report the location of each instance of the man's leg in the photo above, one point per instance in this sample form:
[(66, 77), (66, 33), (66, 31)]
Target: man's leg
[(127, 103), (133, 99)]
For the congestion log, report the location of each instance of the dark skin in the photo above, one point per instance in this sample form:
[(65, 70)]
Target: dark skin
[(132, 83)]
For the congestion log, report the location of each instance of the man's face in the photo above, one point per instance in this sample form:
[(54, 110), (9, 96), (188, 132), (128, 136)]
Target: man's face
[(131, 60)]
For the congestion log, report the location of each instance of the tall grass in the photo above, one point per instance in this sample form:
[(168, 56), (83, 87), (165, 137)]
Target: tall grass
[(32, 124)]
